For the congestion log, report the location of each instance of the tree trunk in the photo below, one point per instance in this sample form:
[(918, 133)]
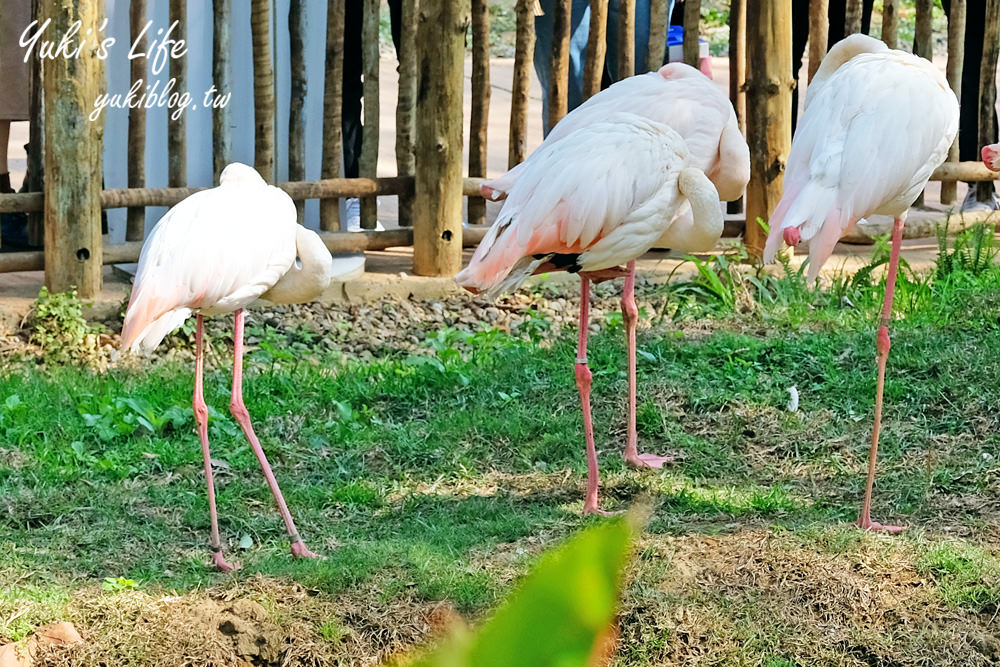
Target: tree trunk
[(737, 73), (480, 111), (263, 89), (405, 121), (890, 23), (597, 48), (692, 30), (626, 39), (559, 71), (956, 58), (368, 161), (437, 206), (523, 49), (852, 17), (135, 227), (657, 45), (923, 45), (333, 87), (819, 30), (73, 167), (769, 105), (297, 116), (36, 145), (222, 138)]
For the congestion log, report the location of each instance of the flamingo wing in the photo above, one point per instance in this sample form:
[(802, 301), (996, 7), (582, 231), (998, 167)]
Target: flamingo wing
[(867, 144), (596, 199), (214, 252)]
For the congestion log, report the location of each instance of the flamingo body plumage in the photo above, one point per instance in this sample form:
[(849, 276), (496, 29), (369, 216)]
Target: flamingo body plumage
[(216, 252)]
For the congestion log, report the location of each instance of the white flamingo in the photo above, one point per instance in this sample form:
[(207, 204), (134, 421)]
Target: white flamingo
[(876, 124), (598, 198), (216, 252)]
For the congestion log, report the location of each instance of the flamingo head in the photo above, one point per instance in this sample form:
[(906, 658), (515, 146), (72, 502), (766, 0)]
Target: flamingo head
[(792, 235), (991, 156)]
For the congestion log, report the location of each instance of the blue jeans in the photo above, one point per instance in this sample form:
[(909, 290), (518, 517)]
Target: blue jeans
[(579, 33)]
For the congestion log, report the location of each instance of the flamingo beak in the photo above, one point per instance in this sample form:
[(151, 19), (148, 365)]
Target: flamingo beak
[(792, 236), (991, 156)]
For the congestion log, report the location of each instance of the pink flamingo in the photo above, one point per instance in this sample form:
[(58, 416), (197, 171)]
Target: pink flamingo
[(216, 252), (876, 124), (596, 199)]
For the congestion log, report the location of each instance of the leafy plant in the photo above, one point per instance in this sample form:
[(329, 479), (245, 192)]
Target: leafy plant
[(59, 328), (974, 250)]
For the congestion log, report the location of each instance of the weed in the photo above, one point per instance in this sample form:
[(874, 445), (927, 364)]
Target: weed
[(59, 328)]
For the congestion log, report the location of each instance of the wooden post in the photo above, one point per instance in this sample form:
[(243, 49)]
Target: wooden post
[(692, 30), (769, 105), (36, 144), (73, 166), (559, 70), (597, 48), (437, 204), (819, 31), (333, 87), (852, 17), (222, 138), (987, 86), (480, 110), (368, 161), (737, 73), (626, 38), (956, 58), (263, 89), (135, 227), (524, 46), (404, 104), (176, 127), (657, 45), (297, 116), (890, 23)]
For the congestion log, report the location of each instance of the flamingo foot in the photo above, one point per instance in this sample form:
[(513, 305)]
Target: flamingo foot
[(865, 523), (589, 508), (300, 550), (219, 561), (648, 460)]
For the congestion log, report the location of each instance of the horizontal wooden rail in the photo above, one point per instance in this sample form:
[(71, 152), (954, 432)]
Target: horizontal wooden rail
[(128, 252), (329, 188)]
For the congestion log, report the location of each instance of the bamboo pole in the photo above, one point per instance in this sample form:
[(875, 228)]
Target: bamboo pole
[(263, 89), (559, 71), (297, 25), (405, 121), (852, 17), (956, 58), (657, 45), (769, 88), (737, 73), (176, 127), (987, 86), (523, 48), (222, 138), (692, 30), (597, 48), (73, 164), (626, 38), (368, 161), (333, 87), (890, 23), (135, 227), (819, 31), (480, 110), (437, 204), (36, 145)]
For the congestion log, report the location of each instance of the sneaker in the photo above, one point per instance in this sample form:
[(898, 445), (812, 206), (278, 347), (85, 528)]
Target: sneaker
[(352, 211), (972, 205)]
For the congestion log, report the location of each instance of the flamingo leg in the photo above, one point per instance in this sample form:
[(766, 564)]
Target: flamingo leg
[(865, 521), (239, 411), (201, 417), (583, 380), (630, 315)]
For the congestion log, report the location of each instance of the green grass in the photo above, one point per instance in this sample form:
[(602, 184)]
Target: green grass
[(441, 476)]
